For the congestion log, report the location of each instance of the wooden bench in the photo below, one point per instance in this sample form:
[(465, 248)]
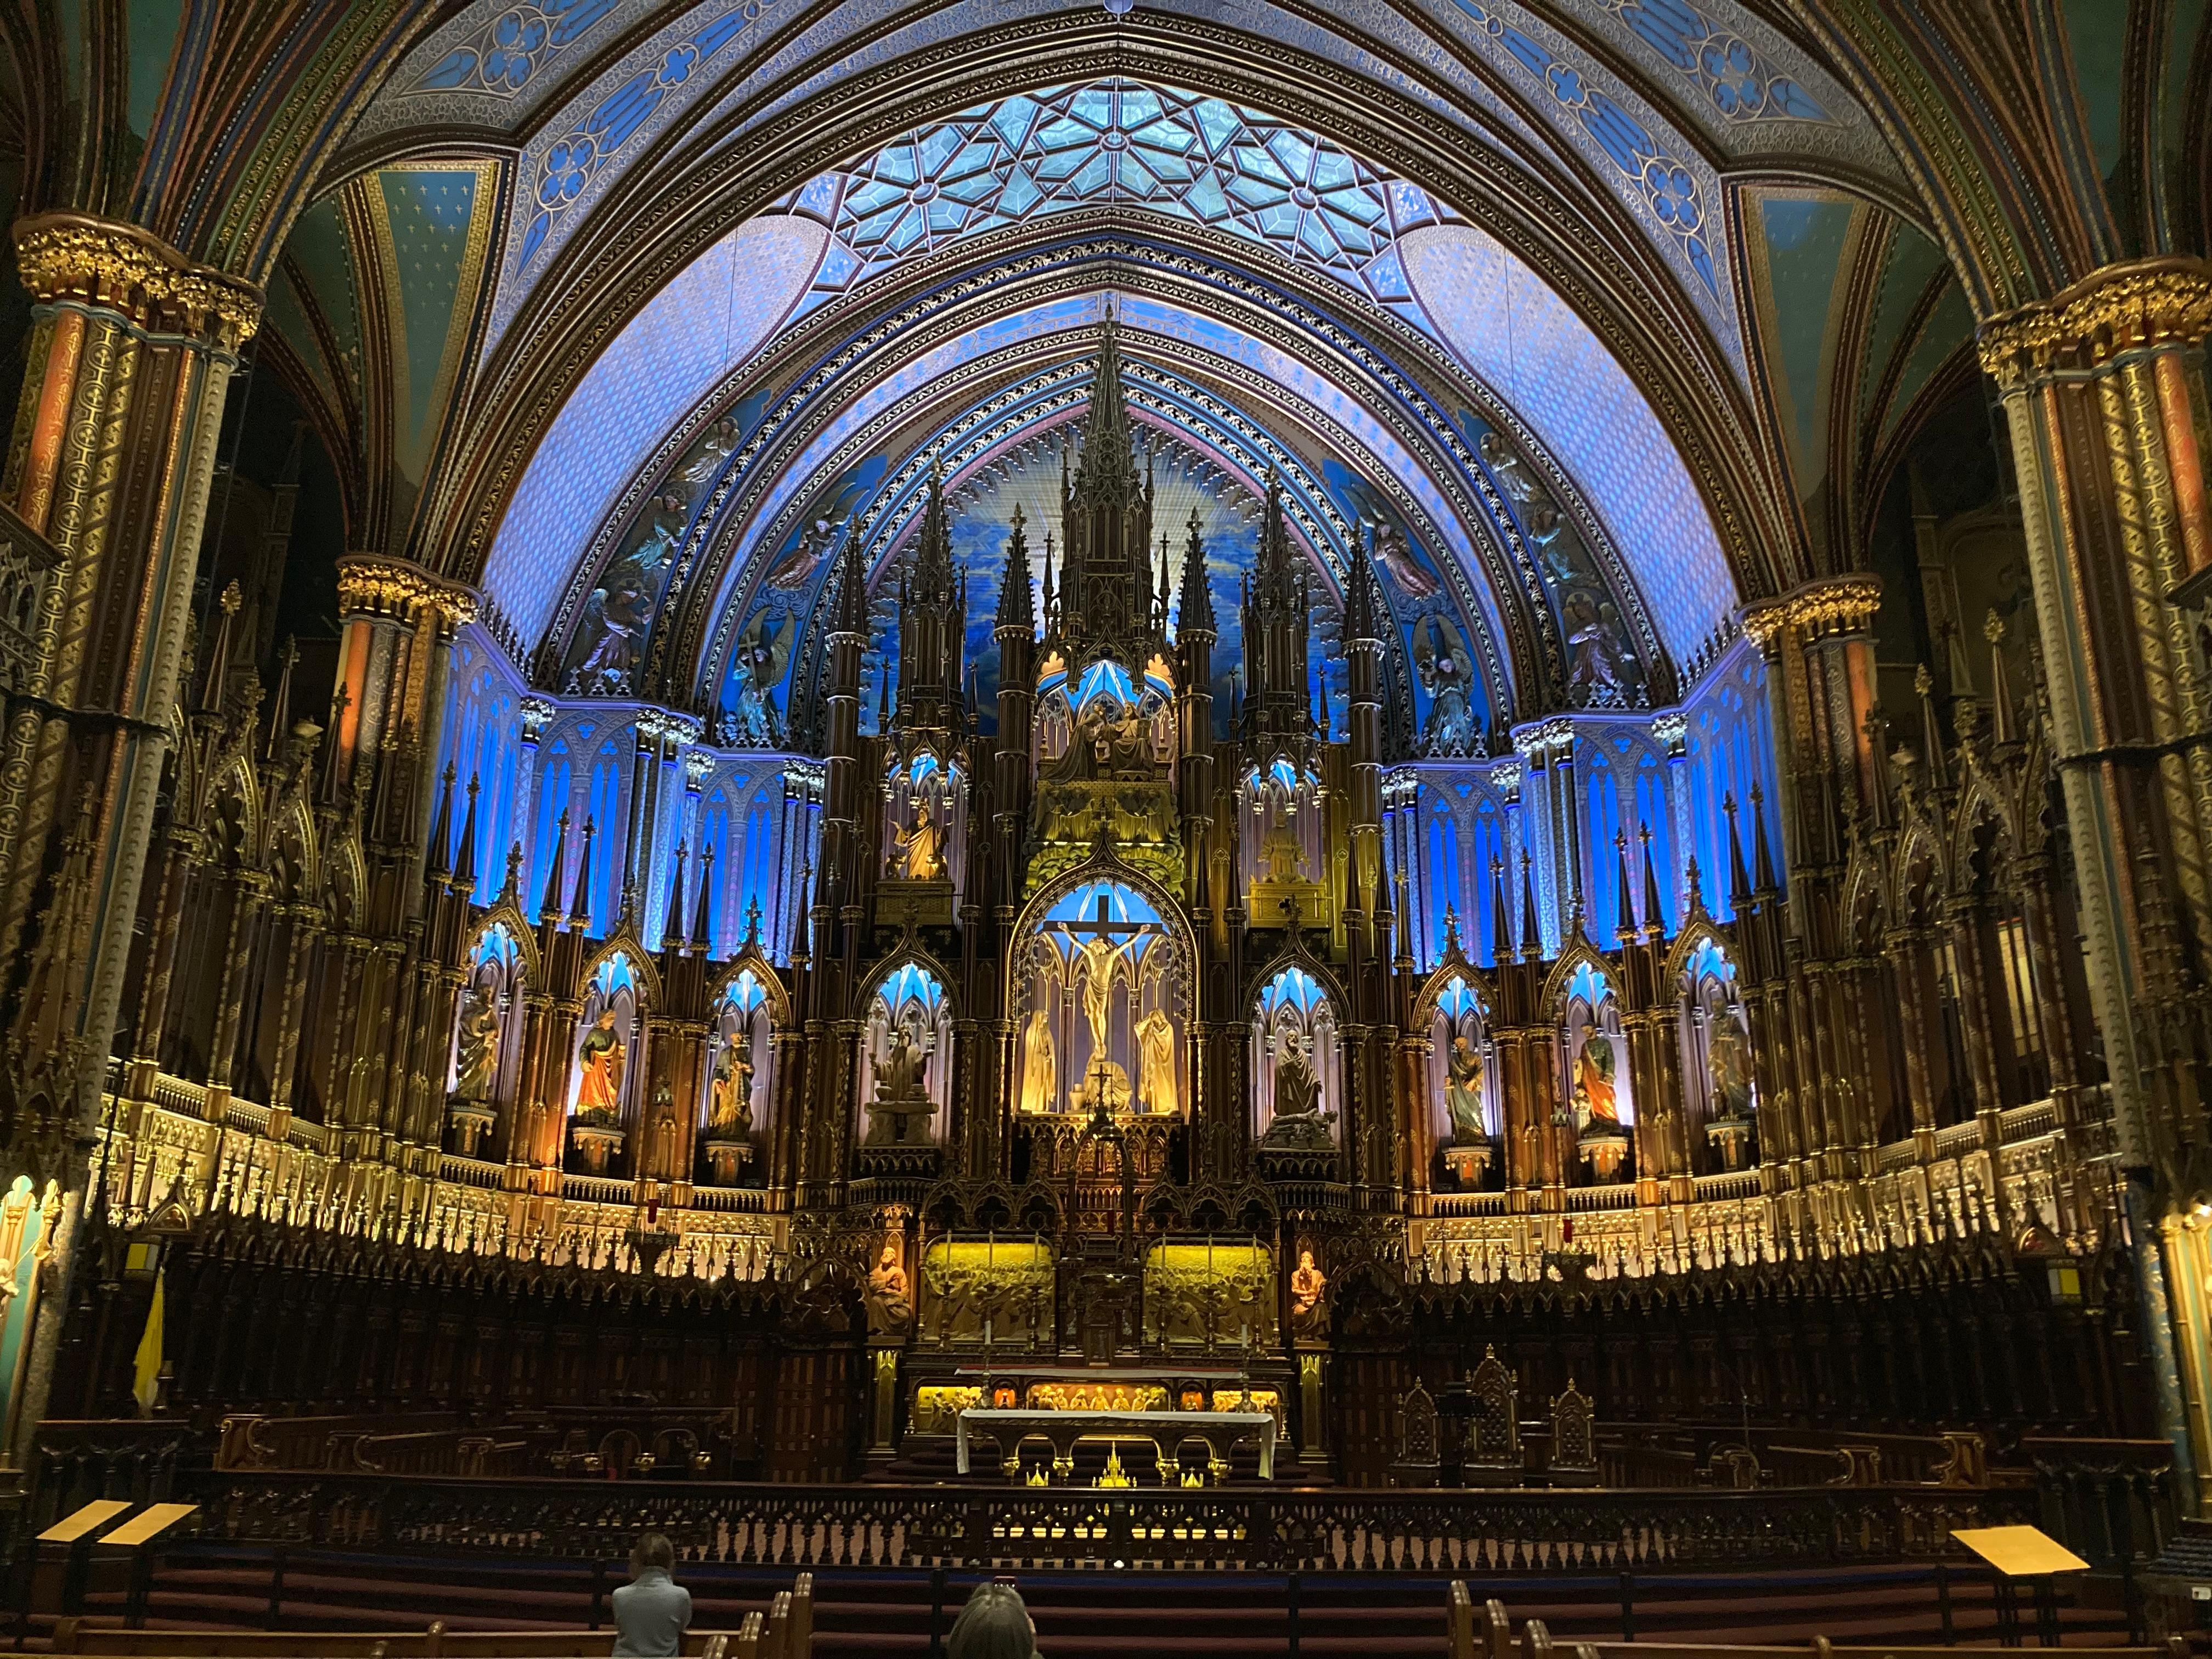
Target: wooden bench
[(1489, 1635), (787, 1633)]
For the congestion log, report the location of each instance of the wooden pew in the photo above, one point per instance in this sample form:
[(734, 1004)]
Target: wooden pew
[(1536, 1643)]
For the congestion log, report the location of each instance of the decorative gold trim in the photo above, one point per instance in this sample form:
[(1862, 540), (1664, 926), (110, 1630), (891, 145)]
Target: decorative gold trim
[(393, 586), (69, 256), (2165, 301), (1837, 603)]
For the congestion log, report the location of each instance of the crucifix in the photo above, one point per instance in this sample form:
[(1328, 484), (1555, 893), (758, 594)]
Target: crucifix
[(1098, 944)]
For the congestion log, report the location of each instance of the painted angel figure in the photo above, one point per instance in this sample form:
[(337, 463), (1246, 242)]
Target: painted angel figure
[(1394, 553), (757, 669), (1594, 637), (1440, 659)]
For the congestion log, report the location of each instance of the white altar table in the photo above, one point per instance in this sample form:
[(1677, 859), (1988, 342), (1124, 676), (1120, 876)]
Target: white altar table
[(1166, 1431)]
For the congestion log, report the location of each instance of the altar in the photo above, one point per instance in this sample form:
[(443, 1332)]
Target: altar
[(1164, 1431)]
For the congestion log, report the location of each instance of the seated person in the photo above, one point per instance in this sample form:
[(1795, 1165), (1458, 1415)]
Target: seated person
[(653, 1610), (994, 1625)]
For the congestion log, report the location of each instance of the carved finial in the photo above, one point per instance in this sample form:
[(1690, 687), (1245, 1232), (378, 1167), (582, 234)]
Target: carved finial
[(232, 598)]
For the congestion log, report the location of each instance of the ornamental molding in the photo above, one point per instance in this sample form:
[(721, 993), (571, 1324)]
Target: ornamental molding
[(2144, 305), (396, 588), (100, 262), (1839, 606)]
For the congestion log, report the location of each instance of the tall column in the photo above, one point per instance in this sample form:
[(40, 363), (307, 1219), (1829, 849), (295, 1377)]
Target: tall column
[(130, 353), (2104, 391)]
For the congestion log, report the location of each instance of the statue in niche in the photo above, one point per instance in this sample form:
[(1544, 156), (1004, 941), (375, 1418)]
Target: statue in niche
[(920, 856), (1040, 1070), (902, 1107), (1395, 555), (889, 1300), (662, 1162), (1440, 660), (1463, 1091), (729, 1091), (599, 1062), (1299, 1121), (478, 1062), (1593, 639), (1309, 1295), (1728, 1056), (1279, 849), (762, 651), (1156, 1062), (1596, 1107)]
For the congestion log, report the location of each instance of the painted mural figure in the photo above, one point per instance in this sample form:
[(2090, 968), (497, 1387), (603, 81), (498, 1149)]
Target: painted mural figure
[(599, 1060), (1156, 1062), (479, 1062), (729, 1094), (614, 617), (1463, 1092), (756, 671), (1728, 1057), (1396, 556), (1598, 1110), (919, 856), (1040, 1071), (1593, 634), (1440, 660)]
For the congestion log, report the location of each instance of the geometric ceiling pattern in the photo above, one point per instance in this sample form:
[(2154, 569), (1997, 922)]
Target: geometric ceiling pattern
[(1165, 151)]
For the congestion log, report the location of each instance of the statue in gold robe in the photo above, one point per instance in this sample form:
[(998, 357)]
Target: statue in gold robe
[(921, 856), (729, 1091), (1729, 1059), (1156, 1062), (600, 1063), (1463, 1092), (1040, 1067)]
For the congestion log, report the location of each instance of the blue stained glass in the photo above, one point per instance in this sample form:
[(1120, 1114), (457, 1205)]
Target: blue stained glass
[(1020, 194), (977, 187), (946, 217), (1094, 174), (1205, 199), (1095, 105), (1138, 105), (1011, 121), (1219, 124), (1281, 220), (1293, 987)]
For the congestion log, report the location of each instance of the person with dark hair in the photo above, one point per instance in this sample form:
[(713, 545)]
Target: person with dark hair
[(653, 1610), (994, 1625)]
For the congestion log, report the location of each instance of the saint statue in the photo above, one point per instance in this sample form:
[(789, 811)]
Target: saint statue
[(920, 856), (902, 1108), (1285, 858), (1728, 1056), (1463, 1092), (478, 1064), (729, 1091), (889, 1307), (899, 1077), (599, 1060), (1297, 1090), (1309, 1285), (1039, 1069), (1156, 1062), (1594, 1084)]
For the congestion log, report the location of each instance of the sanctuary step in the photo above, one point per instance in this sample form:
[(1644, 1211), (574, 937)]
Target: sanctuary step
[(1092, 1615)]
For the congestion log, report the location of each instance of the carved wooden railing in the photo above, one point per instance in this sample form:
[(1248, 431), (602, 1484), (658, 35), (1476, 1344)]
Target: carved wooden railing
[(1259, 1530)]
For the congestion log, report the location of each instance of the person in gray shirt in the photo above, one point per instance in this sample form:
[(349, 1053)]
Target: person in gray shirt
[(653, 1610)]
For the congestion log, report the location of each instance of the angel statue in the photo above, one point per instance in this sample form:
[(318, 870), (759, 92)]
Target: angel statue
[(1463, 1091), (763, 650), (478, 1060), (1440, 659)]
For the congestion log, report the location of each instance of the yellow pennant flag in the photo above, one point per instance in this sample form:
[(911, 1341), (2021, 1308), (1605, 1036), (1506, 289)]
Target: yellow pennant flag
[(146, 1369)]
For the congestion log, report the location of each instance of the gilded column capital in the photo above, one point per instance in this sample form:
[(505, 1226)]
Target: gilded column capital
[(1834, 604), (131, 270), (394, 587), (2141, 304)]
